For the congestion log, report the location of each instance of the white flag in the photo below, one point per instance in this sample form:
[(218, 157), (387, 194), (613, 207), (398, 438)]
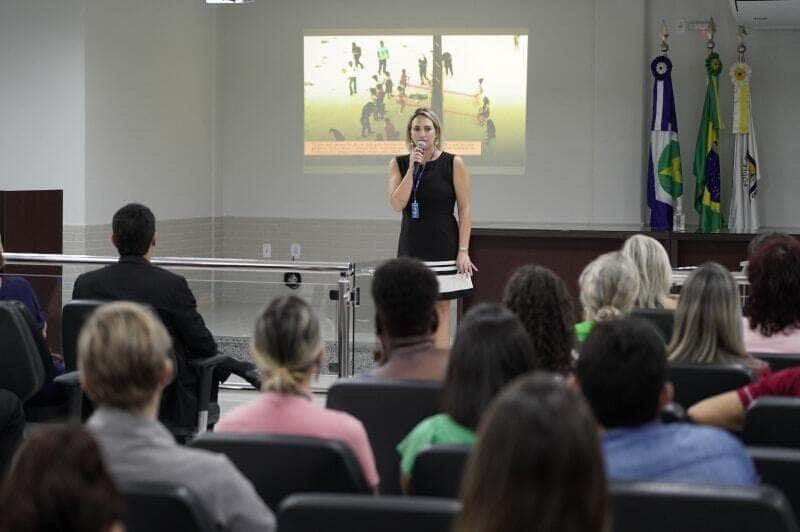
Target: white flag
[(746, 169)]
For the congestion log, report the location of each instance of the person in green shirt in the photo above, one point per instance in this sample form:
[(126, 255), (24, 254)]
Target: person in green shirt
[(383, 55), (491, 348), (609, 286)]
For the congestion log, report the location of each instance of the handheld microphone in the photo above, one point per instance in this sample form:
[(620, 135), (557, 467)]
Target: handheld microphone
[(417, 165)]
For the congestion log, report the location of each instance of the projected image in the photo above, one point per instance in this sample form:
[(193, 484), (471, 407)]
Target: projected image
[(359, 92)]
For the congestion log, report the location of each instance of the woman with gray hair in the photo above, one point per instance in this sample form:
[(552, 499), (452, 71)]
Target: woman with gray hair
[(288, 350), (609, 286), (655, 271), (708, 321)]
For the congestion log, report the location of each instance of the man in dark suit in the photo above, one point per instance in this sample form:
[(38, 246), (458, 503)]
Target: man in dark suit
[(133, 278)]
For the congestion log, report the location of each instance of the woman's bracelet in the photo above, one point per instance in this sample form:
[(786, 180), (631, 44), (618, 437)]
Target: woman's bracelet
[(463, 249)]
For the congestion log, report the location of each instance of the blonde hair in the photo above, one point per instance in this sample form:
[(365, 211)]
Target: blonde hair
[(122, 351), (428, 113), (286, 343), (608, 285), (708, 320), (655, 271)]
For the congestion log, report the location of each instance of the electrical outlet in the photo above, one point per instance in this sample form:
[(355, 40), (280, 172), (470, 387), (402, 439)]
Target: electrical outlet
[(266, 250), (295, 251)]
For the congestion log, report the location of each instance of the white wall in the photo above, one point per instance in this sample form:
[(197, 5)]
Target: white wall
[(42, 99), (585, 109), (149, 103), (774, 57)]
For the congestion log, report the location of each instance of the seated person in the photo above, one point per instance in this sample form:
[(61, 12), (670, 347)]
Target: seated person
[(728, 409), (609, 286), (773, 305), (133, 278), (19, 289), (59, 482), (288, 349), (491, 348), (541, 301), (123, 357), (537, 463), (655, 271), (708, 322), (404, 292), (622, 371)]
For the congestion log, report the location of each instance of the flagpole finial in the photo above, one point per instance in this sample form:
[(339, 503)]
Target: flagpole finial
[(740, 35), (664, 35), (712, 30)]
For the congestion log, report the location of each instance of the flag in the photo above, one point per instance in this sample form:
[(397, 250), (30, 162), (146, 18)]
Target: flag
[(664, 177), (746, 170), (706, 155)]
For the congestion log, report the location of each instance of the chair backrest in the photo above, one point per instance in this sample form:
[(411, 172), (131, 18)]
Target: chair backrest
[(694, 382), (74, 315), (667, 507), (388, 410), (438, 471), (779, 361), (160, 507), (279, 465), (348, 513), (779, 467), (773, 422), (21, 369), (663, 319)]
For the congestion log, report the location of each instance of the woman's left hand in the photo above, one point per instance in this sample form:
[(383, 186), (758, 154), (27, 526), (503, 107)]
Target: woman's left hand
[(465, 264)]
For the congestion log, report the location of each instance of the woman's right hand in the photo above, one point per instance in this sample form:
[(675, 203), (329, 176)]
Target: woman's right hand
[(417, 156)]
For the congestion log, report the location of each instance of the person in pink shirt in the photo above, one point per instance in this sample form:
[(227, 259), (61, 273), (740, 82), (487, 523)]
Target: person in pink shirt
[(287, 347), (773, 308)]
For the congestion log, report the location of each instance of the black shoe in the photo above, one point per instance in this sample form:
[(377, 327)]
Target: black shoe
[(253, 377)]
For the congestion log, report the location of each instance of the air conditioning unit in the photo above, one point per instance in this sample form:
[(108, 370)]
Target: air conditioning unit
[(767, 14)]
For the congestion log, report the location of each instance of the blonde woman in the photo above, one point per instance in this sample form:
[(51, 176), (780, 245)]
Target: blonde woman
[(609, 286), (289, 351), (708, 321), (655, 271)]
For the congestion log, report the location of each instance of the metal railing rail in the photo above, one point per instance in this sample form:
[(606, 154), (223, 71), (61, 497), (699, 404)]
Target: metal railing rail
[(345, 285)]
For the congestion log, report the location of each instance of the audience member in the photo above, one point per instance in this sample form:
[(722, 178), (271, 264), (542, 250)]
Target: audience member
[(541, 301), (123, 357), (19, 289), (773, 306), (728, 410), (655, 272), (708, 322), (622, 371), (288, 348), (59, 482), (404, 292), (135, 279), (12, 426), (765, 238), (491, 348), (609, 286), (536, 465)]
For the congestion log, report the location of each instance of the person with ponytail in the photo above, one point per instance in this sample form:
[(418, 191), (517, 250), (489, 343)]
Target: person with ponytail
[(609, 286), (288, 350)]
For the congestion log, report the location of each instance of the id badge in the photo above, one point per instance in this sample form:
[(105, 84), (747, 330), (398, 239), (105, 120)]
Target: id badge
[(414, 210)]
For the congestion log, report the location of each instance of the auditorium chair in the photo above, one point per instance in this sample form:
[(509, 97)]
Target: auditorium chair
[(779, 361), (773, 422), (350, 513), (279, 465), (779, 467), (663, 319), (75, 314), (388, 410), (694, 382), (670, 507), (438, 471), (21, 369), (161, 507)]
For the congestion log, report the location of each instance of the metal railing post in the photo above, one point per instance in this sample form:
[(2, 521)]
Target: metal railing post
[(343, 353)]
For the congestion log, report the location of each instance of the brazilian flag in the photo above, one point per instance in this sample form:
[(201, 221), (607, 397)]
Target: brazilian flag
[(706, 156)]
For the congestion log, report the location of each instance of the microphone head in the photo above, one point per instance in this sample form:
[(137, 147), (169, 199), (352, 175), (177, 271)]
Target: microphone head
[(421, 145)]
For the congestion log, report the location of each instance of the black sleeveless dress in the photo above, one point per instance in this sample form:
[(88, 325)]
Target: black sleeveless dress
[(433, 237)]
